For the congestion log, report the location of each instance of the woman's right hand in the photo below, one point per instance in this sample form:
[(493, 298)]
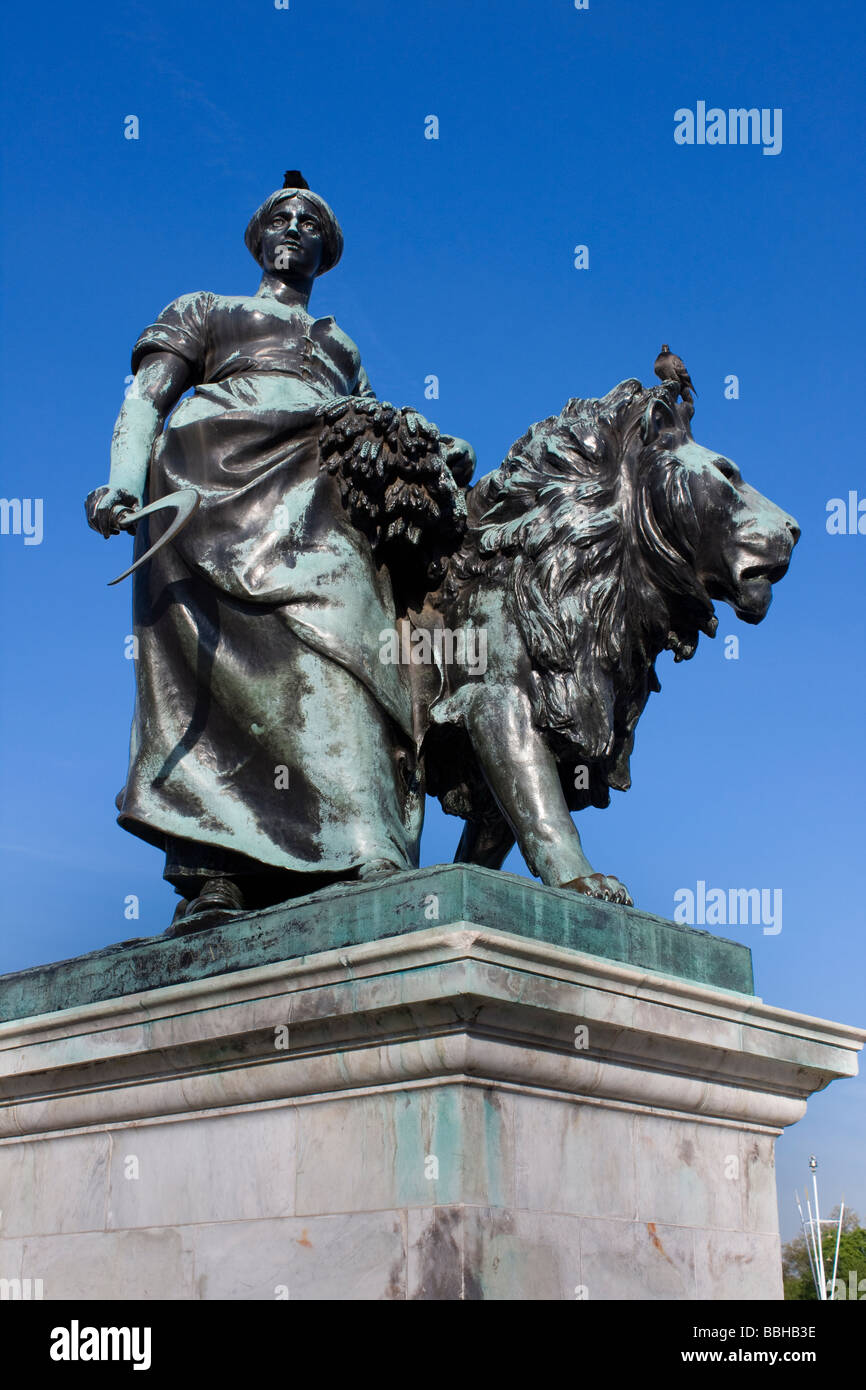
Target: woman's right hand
[(103, 506), (159, 383)]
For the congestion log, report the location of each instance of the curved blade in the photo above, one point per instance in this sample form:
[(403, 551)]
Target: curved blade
[(185, 502)]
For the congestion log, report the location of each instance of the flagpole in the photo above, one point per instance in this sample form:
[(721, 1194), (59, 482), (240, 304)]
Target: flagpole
[(813, 1164), (806, 1239), (838, 1240)]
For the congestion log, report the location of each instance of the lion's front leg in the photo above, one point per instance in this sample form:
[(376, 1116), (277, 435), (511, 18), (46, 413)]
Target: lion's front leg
[(522, 774), (604, 886)]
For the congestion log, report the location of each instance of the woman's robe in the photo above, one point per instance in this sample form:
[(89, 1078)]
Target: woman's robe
[(266, 726)]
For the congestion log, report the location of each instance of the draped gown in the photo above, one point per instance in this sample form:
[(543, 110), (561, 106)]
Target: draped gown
[(268, 736)]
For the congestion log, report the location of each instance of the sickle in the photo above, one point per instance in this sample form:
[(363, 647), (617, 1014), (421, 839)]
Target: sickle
[(184, 502)]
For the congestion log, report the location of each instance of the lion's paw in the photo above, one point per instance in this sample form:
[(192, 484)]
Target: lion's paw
[(603, 886)]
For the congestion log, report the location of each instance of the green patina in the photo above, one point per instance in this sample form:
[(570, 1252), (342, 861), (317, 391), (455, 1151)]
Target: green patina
[(493, 1140), (433, 1131), (351, 914)]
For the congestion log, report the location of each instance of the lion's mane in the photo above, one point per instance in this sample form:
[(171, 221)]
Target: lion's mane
[(599, 573)]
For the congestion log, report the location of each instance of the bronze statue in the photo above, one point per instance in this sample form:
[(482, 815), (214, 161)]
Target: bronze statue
[(601, 541), (296, 524), (271, 752)]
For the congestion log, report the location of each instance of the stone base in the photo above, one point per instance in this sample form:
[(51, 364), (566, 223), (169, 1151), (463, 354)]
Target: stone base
[(350, 914), (454, 1112)]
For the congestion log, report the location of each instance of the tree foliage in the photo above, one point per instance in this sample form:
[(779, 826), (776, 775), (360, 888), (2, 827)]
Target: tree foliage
[(796, 1270)]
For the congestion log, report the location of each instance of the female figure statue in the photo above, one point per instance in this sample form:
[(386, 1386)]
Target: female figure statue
[(272, 751)]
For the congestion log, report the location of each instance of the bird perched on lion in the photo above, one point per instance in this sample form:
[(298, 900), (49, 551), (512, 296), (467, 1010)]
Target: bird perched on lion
[(669, 367)]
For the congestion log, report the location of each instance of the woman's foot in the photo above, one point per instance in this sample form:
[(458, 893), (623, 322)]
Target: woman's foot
[(377, 868), (222, 893), (219, 898)]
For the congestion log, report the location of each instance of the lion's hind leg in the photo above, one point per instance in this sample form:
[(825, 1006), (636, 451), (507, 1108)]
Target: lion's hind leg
[(487, 843)]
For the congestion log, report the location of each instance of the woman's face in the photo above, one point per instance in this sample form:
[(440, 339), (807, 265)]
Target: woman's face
[(292, 239)]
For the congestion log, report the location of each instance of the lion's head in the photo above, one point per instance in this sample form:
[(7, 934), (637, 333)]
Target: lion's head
[(612, 533)]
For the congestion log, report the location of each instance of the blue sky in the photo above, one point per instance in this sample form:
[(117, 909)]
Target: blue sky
[(556, 129)]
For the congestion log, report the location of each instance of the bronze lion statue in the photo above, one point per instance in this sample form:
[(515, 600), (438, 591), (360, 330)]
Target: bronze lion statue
[(602, 540)]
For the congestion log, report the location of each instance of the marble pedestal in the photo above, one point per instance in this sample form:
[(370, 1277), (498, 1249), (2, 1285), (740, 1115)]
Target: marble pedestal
[(453, 1111)]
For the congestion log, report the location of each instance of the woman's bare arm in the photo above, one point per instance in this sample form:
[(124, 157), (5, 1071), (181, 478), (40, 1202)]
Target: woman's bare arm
[(159, 383)]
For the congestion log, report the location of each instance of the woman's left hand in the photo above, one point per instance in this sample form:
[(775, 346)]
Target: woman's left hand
[(459, 455)]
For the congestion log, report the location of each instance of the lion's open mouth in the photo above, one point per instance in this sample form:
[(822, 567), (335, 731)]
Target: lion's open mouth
[(771, 573), (751, 591), (754, 591), (753, 598)]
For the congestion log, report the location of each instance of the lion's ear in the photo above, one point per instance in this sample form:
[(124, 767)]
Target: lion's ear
[(658, 416)]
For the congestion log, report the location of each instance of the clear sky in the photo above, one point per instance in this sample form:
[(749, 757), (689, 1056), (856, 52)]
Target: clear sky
[(556, 129)]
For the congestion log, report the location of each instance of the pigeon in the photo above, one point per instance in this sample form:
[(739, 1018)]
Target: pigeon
[(669, 367)]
